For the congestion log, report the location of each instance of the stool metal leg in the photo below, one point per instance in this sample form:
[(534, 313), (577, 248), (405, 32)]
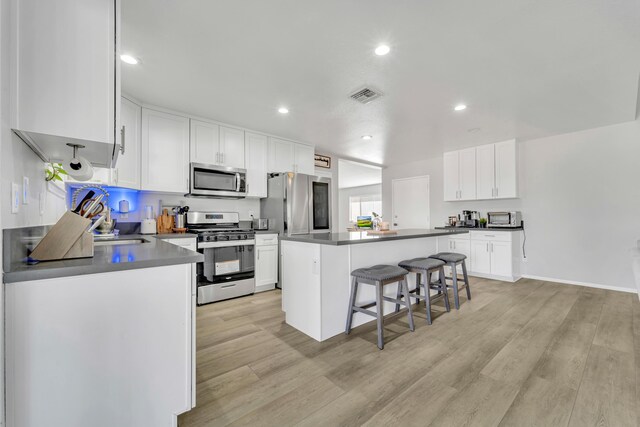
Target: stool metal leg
[(443, 286), (398, 296), (466, 279), (454, 277), (407, 301), (352, 302), (380, 310), (418, 284), (427, 295)]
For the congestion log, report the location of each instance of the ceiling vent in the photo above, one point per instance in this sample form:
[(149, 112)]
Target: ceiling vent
[(365, 95)]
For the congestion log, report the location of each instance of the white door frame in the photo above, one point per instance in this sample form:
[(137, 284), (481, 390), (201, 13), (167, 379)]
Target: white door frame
[(393, 208)]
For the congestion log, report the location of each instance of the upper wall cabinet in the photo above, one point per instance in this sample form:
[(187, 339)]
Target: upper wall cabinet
[(66, 60), (490, 169), (460, 175), (165, 152), (216, 145), (288, 156), (256, 164), (127, 173)]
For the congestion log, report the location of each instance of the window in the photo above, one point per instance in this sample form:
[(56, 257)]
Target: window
[(364, 206)]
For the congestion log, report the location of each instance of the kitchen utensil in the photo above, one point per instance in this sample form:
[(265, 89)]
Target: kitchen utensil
[(67, 234), (261, 223), (97, 223), (148, 212), (86, 197), (179, 230), (94, 211), (179, 219), (165, 222), (89, 209)]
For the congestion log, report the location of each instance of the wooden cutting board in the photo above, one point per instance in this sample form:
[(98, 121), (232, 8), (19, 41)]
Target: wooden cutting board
[(381, 233), (164, 224)]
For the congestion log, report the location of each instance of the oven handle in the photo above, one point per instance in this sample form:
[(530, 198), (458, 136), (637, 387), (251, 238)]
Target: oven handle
[(205, 245), (237, 182)]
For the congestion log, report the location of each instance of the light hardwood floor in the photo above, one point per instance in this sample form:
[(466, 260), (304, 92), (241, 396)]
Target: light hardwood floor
[(526, 354)]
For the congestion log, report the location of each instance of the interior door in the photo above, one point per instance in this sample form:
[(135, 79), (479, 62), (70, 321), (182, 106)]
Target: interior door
[(410, 203), (451, 176)]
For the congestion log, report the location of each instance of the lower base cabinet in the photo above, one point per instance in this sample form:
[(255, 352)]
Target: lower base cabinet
[(266, 270)]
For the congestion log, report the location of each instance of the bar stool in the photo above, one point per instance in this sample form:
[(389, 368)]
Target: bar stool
[(452, 259), (426, 267), (379, 276)]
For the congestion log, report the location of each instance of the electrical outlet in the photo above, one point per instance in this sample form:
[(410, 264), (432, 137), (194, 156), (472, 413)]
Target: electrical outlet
[(15, 198), (25, 190)]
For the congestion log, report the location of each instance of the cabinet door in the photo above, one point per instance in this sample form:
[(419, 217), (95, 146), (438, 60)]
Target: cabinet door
[(506, 177), (462, 246), (204, 144), (232, 147), (480, 256), (280, 155), (256, 164), (127, 172), (266, 265), (500, 258), (451, 176), (467, 174), (165, 152), (69, 73), (485, 172), (303, 159)]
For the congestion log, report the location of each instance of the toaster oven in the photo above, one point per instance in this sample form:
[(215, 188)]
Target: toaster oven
[(511, 219)]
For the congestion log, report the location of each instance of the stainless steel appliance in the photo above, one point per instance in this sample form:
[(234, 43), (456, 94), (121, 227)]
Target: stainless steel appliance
[(228, 267), (469, 219), (261, 223), (217, 181), (511, 219), (297, 203)]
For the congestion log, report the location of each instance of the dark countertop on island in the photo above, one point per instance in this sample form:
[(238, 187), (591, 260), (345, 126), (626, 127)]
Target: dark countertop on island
[(153, 253), (358, 237), (449, 227)]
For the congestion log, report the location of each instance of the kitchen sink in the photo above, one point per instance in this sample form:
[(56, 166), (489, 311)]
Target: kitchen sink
[(115, 242)]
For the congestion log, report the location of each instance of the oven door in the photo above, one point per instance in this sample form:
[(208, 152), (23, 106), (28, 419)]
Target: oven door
[(217, 181), (226, 261)]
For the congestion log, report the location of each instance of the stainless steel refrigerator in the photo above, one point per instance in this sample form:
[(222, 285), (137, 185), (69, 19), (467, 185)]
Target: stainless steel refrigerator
[(297, 204)]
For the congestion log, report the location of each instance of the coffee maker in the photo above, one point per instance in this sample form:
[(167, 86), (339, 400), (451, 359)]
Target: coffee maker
[(469, 219)]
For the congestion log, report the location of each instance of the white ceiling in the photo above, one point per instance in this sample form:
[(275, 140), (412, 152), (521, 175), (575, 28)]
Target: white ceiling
[(354, 174), (526, 69)]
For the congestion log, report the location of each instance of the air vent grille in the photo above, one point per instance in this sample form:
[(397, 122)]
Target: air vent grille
[(365, 95)]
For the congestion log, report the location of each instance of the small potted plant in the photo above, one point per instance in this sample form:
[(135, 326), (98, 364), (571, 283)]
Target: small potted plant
[(483, 222)]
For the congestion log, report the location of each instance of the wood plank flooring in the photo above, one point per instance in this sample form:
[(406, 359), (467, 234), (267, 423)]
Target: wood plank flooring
[(531, 353)]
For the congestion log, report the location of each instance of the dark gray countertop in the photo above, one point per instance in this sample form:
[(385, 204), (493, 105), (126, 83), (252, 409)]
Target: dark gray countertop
[(448, 227), (173, 236), (357, 237), (153, 253)]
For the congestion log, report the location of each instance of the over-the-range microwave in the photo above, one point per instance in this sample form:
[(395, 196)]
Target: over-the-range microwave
[(217, 181)]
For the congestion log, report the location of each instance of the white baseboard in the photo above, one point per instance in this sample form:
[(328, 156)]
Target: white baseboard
[(587, 284), (265, 288), (494, 277)]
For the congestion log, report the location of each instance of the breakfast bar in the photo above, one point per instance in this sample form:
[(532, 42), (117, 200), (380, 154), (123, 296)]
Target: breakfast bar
[(316, 273)]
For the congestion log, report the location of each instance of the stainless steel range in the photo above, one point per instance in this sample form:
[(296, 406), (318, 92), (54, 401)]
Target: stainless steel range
[(228, 267)]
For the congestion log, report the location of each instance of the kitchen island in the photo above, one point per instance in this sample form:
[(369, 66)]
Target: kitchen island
[(101, 341), (316, 274)]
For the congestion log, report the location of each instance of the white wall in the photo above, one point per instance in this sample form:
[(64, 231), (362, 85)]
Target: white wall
[(345, 193), (580, 199), (354, 174)]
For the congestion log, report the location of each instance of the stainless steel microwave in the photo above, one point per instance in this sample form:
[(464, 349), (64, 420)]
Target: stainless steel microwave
[(217, 181), (511, 219)]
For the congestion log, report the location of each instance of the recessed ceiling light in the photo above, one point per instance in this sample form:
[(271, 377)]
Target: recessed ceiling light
[(383, 49), (283, 110), (460, 107), (129, 59), (367, 137)]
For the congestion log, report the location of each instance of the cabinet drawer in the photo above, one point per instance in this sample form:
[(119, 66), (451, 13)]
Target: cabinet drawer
[(492, 235), (266, 239)]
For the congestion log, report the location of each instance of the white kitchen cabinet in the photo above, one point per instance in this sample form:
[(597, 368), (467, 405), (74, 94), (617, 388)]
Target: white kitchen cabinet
[(485, 171), (165, 152), (501, 258), (266, 262), (506, 170), (303, 158), (232, 147), (280, 155), (481, 257), (127, 171), (496, 174), (255, 156), (213, 144), (495, 254), (67, 77), (460, 175), (289, 156), (462, 245), (101, 176)]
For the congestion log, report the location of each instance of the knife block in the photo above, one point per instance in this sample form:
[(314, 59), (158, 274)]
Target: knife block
[(67, 239)]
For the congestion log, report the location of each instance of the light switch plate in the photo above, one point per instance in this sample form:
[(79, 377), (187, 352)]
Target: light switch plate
[(25, 190), (15, 198)]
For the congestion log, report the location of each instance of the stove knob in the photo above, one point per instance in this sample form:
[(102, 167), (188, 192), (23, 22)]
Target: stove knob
[(244, 236)]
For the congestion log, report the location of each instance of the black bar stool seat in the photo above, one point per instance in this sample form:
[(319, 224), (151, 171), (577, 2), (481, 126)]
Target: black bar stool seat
[(426, 267), (452, 259)]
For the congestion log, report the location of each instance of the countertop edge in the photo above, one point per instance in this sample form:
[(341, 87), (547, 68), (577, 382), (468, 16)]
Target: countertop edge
[(301, 239)]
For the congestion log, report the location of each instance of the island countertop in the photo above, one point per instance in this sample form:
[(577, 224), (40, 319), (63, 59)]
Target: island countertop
[(358, 237), (152, 253)]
